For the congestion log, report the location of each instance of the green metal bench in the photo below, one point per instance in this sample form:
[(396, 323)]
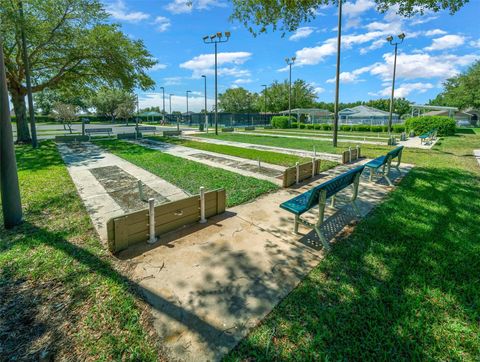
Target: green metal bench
[(431, 135), (318, 196), (385, 162)]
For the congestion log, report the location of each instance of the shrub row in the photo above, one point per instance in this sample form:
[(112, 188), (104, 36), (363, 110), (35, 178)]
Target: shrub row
[(281, 121), (398, 128), (445, 126)]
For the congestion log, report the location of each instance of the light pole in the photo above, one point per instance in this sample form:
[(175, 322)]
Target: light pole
[(290, 63), (170, 102), (187, 102), (205, 95), (11, 201), (265, 103), (215, 39), (26, 63), (138, 112), (337, 76), (390, 40), (163, 96)]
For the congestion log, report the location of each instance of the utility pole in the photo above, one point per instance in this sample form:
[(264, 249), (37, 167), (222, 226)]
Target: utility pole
[(290, 63), (392, 100), (163, 96), (265, 103), (187, 107), (26, 63), (337, 82), (9, 189), (205, 95), (215, 39), (170, 101)]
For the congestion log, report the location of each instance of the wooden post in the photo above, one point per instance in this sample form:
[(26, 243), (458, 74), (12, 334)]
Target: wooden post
[(151, 221), (298, 172), (203, 220)]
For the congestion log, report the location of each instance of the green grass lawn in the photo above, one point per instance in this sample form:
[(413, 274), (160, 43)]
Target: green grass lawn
[(61, 293), (322, 133), (264, 156), (405, 285), (189, 175)]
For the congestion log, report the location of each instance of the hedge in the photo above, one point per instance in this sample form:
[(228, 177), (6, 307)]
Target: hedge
[(445, 126), (281, 121)]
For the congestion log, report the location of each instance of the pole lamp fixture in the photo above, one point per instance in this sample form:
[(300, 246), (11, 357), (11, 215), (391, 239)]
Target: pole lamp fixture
[(391, 40), (170, 103), (265, 103), (205, 96), (163, 96), (215, 39), (290, 62), (337, 76)]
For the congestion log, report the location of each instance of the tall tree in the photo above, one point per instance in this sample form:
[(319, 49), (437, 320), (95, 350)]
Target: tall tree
[(462, 91), (237, 100), (65, 113), (287, 16), (71, 44), (303, 95), (401, 106), (107, 101)]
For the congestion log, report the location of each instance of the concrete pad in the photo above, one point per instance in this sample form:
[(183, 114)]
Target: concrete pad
[(209, 284), (416, 142), (235, 164), (101, 206)]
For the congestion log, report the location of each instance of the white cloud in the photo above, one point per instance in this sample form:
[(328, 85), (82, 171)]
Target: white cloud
[(242, 81), (351, 77), (204, 64), (475, 43), (196, 102), (446, 42), (158, 66), (404, 89), (187, 6), (354, 9), (301, 33), (423, 20), (162, 23), (434, 32), (318, 90), (172, 80), (118, 10)]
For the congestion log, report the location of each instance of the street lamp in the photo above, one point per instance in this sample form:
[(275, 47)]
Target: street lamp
[(205, 95), (265, 101), (390, 39), (337, 76), (215, 39), (170, 101), (187, 103), (290, 63), (163, 96)]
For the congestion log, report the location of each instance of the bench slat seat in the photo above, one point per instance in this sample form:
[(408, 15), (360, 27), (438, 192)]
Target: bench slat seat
[(385, 163), (89, 131), (318, 196)]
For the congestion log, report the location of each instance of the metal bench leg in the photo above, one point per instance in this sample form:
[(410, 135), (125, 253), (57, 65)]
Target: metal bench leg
[(295, 224), (355, 184), (387, 174), (371, 174), (321, 213), (332, 201)]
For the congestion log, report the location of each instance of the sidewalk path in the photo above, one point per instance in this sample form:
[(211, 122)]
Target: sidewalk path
[(108, 185), (288, 151), (341, 139), (246, 167), (210, 284)]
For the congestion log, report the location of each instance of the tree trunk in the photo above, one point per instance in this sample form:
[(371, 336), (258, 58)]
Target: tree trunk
[(23, 132)]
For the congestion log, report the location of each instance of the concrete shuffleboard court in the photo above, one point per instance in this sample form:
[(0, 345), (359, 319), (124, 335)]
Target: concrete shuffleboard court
[(210, 284), (108, 185)]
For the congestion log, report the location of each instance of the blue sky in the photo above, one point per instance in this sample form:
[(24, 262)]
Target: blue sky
[(437, 46)]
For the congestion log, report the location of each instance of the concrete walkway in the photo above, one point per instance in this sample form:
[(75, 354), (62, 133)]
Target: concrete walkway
[(210, 284), (107, 184), (246, 167), (288, 151), (476, 154), (415, 142)]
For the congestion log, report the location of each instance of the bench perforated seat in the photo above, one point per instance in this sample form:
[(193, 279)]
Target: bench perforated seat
[(318, 196), (385, 163)]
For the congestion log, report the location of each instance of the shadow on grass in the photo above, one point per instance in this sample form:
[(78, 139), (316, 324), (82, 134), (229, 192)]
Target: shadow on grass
[(403, 286), (37, 159)]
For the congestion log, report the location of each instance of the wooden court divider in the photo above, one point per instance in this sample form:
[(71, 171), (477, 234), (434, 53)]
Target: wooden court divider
[(350, 155), (304, 171), (133, 228)]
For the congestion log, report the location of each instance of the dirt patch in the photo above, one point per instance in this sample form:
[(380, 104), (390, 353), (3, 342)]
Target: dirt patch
[(123, 188)]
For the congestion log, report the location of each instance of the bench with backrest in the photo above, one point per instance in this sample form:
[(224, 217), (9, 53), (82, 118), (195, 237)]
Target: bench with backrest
[(90, 131), (385, 163), (430, 136), (171, 133), (318, 196), (144, 129)]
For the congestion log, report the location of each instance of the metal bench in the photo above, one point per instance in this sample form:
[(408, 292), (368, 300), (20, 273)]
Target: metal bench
[(89, 131), (172, 133), (430, 136), (319, 195), (143, 129), (385, 162)]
